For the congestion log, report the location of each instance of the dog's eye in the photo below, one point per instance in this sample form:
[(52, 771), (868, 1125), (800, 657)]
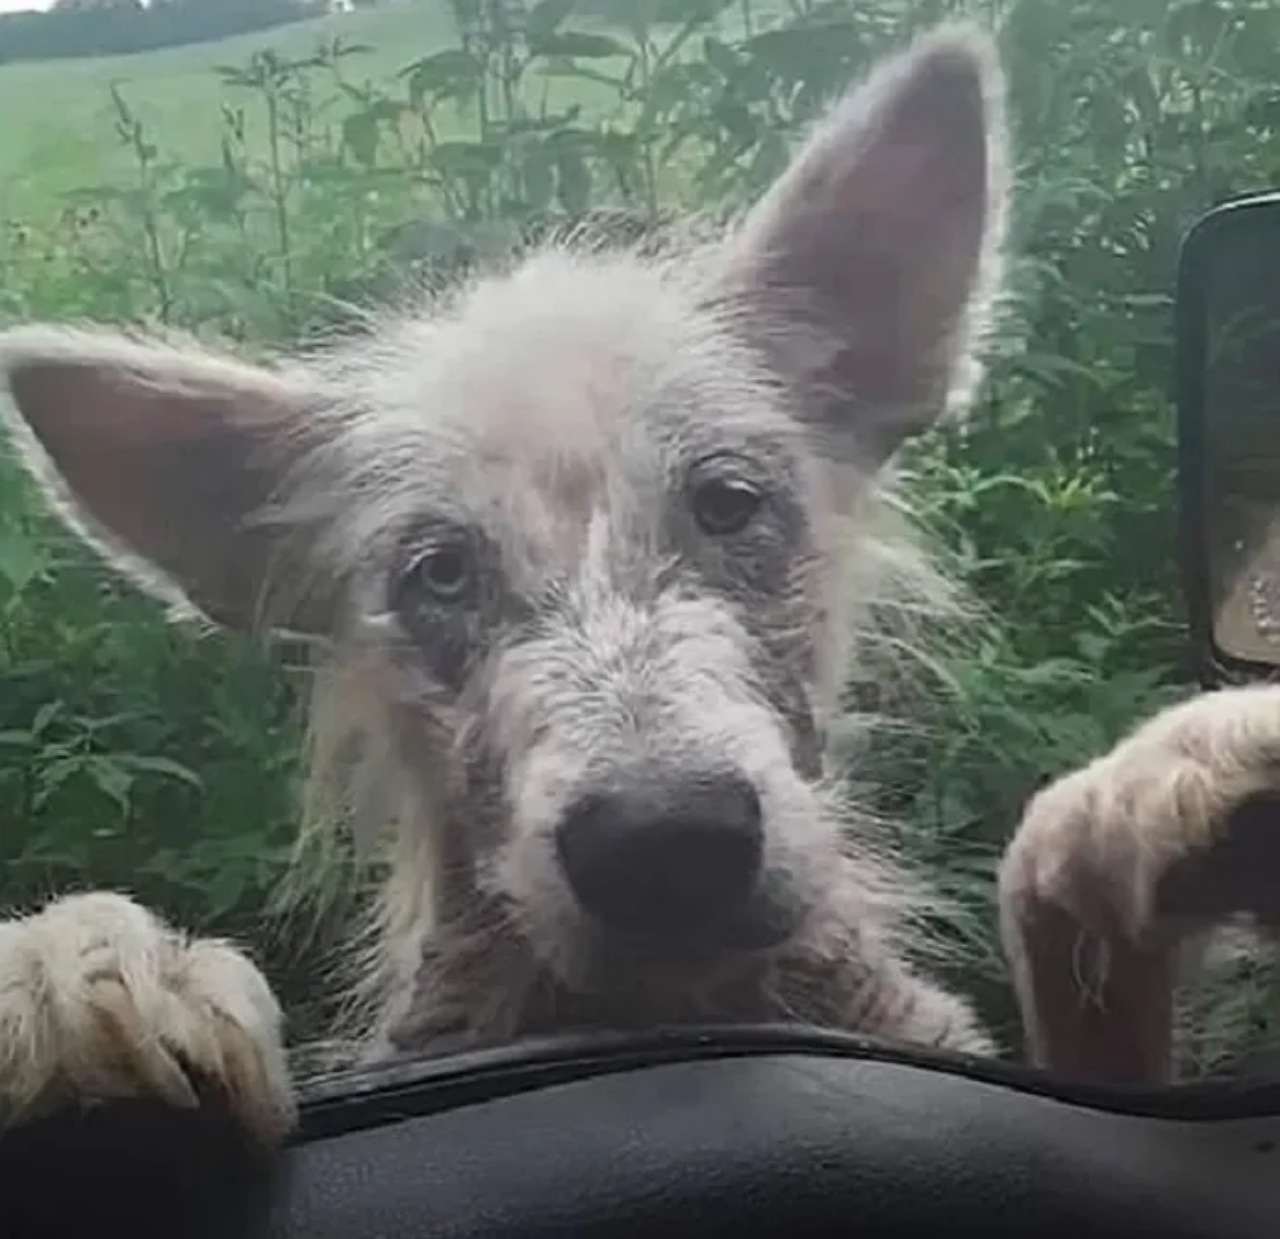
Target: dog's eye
[(445, 574), (724, 506)]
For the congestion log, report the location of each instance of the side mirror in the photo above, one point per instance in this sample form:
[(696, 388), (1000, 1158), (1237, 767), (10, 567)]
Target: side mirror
[(1228, 396)]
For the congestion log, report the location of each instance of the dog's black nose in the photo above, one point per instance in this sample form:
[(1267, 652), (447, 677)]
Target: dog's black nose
[(664, 855)]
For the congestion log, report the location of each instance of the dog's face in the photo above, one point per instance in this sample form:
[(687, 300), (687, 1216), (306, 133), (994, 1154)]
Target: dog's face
[(582, 522), (604, 598)]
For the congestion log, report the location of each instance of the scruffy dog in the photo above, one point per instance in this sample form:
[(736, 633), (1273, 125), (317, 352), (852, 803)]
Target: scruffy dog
[(585, 548)]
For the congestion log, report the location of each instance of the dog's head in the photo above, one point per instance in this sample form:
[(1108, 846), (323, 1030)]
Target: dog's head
[(579, 525)]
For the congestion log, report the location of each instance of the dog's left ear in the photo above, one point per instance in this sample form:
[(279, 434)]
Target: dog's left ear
[(866, 270)]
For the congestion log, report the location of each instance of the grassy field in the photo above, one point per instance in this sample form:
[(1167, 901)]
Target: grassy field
[(58, 128)]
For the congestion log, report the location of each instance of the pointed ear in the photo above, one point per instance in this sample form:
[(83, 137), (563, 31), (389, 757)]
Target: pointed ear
[(867, 267), (164, 459)]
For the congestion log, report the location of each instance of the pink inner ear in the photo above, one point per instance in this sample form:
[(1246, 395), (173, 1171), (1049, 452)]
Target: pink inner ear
[(875, 237), (125, 447), (167, 473), (930, 152), (901, 215), (912, 157)]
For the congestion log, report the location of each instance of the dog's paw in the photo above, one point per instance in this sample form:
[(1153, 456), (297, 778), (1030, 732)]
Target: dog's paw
[(1117, 867), (99, 999), (1099, 843)]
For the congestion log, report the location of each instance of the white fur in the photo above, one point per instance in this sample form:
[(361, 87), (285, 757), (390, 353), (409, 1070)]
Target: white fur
[(591, 344), (99, 999)]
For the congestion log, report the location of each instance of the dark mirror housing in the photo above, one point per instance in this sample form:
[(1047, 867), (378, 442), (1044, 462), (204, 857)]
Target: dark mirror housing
[(1228, 398)]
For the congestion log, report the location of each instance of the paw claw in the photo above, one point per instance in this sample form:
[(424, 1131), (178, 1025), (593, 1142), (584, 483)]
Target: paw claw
[(101, 1000)]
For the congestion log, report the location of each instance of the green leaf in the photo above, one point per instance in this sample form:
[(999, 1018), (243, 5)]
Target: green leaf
[(52, 775), (110, 779), (224, 887), (44, 716), (453, 73), (466, 158), (21, 559), (579, 44), (161, 766), (360, 137), (545, 17), (720, 56)]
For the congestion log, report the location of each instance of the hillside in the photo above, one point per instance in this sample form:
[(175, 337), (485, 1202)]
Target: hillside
[(58, 123)]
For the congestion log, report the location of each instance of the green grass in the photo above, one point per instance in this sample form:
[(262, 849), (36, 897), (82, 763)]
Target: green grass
[(58, 132)]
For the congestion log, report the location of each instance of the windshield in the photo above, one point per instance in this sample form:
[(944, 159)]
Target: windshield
[(405, 834)]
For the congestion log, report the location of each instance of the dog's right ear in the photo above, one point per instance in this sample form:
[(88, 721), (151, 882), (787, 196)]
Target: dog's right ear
[(868, 266), (164, 459)]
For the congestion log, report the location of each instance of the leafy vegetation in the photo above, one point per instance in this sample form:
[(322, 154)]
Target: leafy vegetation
[(162, 761)]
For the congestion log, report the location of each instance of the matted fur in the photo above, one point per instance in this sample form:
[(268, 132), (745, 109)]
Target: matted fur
[(558, 419), (551, 431), (359, 820)]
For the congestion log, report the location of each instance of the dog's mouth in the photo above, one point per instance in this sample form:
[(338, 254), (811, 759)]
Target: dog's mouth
[(767, 921)]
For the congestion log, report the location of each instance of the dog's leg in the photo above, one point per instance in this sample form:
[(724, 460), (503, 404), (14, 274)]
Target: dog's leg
[(99, 999), (1114, 867), (920, 1012)]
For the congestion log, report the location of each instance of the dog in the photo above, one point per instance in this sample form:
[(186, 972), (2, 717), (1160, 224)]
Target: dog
[(583, 549)]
